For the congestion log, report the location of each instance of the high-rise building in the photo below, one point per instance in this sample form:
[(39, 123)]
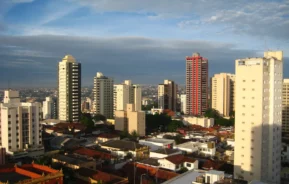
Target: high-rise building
[(103, 95), (127, 93), (222, 93), (69, 89), (20, 127), (167, 95), (183, 103), (196, 84), (258, 118), (285, 110), (49, 108), (130, 120)]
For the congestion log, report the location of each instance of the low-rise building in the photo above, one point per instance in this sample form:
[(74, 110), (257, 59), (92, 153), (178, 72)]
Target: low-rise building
[(30, 173), (201, 121), (96, 176), (157, 143), (123, 148), (210, 177), (75, 162), (107, 137), (208, 149), (91, 153), (164, 152), (177, 162)]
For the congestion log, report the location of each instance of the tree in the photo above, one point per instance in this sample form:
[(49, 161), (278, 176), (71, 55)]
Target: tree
[(157, 122), (183, 170), (212, 113), (174, 125), (134, 135), (99, 117), (87, 120), (124, 134)]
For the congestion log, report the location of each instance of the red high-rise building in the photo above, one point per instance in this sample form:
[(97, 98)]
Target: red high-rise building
[(196, 84)]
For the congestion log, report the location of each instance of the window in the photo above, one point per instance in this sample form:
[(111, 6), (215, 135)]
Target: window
[(9, 122), (9, 116), (188, 165)]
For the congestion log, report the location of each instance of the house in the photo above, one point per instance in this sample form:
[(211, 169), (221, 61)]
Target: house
[(75, 162), (96, 176), (201, 121), (107, 137), (164, 152), (210, 177), (123, 148), (208, 148), (176, 162), (29, 173), (157, 143)]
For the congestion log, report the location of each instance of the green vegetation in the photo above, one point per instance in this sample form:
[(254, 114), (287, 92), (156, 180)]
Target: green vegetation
[(219, 120), (86, 119), (149, 107)]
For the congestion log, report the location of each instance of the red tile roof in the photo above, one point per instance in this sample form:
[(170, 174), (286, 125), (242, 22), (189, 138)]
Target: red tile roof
[(93, 153), (179, 159), (210, 164)]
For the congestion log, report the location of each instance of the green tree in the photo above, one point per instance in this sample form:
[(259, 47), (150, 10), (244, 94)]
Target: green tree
[(212, 113), (124, 134), (183, 170), (99, 117), (86, 119), (134, 135), (157, 122), (174, 125)]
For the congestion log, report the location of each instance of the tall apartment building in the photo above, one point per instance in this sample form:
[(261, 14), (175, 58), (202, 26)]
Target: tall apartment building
[(20, 127), (69, 89), (49, 108), (167, 95), (130, 120), (258, 118), (103, 95), (196, 84), (222, 93), (183, 103), (285, 110), (126, 93)]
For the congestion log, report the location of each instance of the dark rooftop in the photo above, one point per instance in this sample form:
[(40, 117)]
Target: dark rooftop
[(122, 145), (12, 177), (166, 151), (150, 161)]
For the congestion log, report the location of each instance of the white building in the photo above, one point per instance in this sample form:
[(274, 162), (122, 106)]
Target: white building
[(164, 152), (285, 109), (202, 121), (184, 103), (176, 162), (69, 89), (258, 117), (103, 95), (127, 93), (222, 93), (20, 127), (167, 95), (209, 148), (49, 108), (157, 143)]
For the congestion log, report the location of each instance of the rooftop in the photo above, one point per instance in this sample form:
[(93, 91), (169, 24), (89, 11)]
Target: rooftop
[(72, 159), (178, 159), (159, 140), (150, 161), (108, 136), (93, 153), (122, 145), (186, 178), (166, 151)]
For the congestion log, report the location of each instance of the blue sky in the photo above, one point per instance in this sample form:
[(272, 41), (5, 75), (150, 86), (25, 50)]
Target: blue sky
[(145, 41)]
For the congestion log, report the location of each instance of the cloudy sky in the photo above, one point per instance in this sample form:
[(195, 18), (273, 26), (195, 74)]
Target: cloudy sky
[(142, 40)]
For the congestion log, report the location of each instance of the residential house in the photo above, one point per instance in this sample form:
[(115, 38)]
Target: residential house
[(107, 137), (177, 162), (75, 162), (157, 143), (208, 149), (164, 152)]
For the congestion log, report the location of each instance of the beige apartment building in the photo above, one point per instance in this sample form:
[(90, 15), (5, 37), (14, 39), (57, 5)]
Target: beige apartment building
[(103, 95), (69, 89), (167, 95), (223, 93), (126, 93), (20, 127), (285, 110), (258, 118), (130, 120)]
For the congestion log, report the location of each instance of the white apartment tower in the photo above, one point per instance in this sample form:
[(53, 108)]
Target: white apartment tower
[(183, 103), (49, 108), (285, 110), (103, 95), (167, 95), (69, 89), (126, 93), (20, 127), (259, 118), (222, 93)]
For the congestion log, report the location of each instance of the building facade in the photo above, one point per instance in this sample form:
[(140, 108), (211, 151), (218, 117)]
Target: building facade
[(223, 89), (20, 127), (196, 84), (258, 118), (103, 95), (285, 111), (183, 103), (69, 89), (130, 120), (49, 108), (167, 95)]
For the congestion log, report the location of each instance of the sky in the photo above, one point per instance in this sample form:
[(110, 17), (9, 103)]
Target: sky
[(142, 40)]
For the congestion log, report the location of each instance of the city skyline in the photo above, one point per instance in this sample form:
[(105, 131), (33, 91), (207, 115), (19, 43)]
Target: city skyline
[(108, 37)]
